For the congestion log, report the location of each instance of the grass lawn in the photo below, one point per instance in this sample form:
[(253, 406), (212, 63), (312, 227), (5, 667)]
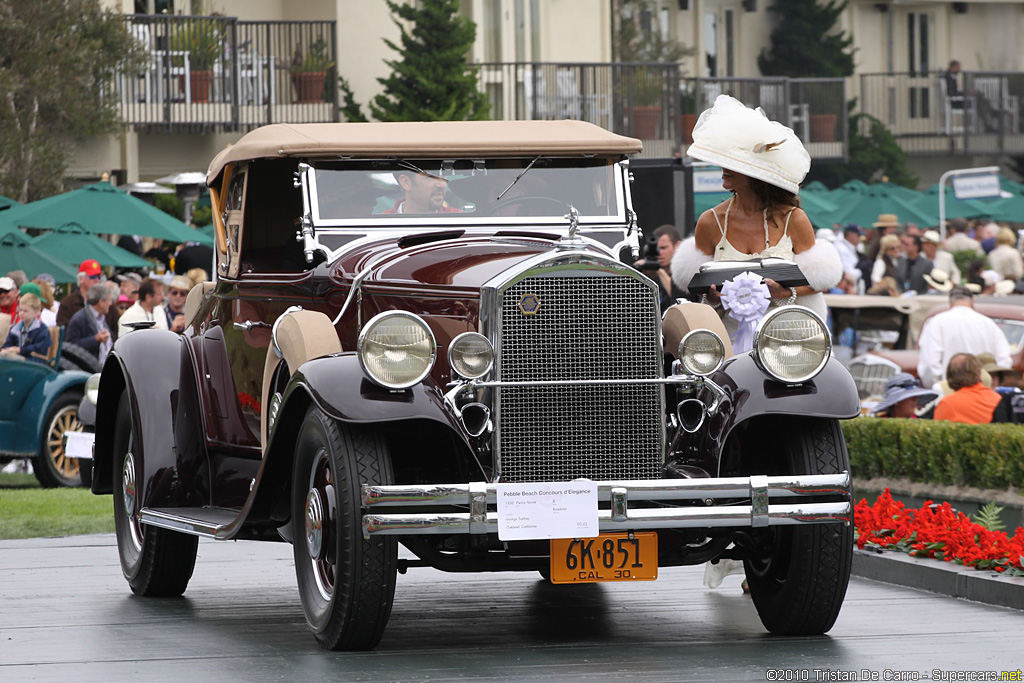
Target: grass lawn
[(28, 511)]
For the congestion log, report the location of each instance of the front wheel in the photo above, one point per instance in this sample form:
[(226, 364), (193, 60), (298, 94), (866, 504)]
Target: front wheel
[(51, 465), (346, 581), (156, 562), (798, 588)]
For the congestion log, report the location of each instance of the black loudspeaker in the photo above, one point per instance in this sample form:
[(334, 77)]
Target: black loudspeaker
[(750, 5), (684, 4), (960, 8)]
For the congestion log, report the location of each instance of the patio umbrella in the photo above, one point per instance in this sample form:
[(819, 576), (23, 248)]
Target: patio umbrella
[(71, 243), (7, 203), (864, 206), (16, 253), (103, 209), (955, 208)]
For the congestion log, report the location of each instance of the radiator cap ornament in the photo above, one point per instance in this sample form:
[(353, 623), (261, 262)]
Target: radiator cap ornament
[(529, 304)]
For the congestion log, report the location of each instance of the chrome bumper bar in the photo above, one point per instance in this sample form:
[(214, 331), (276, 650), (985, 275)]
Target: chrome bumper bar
[(385, 505)]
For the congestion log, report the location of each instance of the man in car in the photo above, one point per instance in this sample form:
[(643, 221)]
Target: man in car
[(961, 329), (424, 193)]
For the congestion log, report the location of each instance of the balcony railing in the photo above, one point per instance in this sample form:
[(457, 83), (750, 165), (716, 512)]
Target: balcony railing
[(656, 103), (220, 73), (985, 118)]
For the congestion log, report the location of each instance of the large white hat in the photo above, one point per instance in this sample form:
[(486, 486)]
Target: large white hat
[(745, 140)]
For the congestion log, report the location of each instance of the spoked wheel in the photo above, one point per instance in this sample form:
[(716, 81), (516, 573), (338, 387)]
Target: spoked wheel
[(156, 562), (798, 588), (346, 582), (52, 467)]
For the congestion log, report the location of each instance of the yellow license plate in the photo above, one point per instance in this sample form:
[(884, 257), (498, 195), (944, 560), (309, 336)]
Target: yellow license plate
[(609, 557)]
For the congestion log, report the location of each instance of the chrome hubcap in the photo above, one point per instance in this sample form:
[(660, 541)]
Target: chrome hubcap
[(128, 479), (315, 525)]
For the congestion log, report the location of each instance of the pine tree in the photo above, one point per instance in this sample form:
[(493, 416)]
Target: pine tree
[(430, 81), (804, 44)]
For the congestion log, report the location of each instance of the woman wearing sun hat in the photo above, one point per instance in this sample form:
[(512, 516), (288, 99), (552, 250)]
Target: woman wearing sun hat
[(763, 164), (904, 395)]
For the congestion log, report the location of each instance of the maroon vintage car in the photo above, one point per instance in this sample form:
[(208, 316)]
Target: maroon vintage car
[(428, 334)]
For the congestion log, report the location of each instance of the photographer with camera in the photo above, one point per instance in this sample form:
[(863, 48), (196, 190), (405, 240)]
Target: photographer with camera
[(659, 247)]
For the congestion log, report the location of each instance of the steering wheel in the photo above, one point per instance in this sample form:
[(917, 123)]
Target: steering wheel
[(530, 198)]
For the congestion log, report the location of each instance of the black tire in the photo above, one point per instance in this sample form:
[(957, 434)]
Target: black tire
[(51, 466), (74, 357), (799, 588), (156, 562), (346, 582)]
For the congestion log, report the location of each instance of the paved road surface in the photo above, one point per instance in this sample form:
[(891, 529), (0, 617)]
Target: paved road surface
[(66, 614)]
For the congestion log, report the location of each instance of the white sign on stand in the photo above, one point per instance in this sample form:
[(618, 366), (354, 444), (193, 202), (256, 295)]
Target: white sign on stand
[(707, 180), (976, 186), (547, 510)]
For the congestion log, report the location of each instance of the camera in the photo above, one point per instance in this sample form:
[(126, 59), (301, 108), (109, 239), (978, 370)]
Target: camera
[(649, 264)]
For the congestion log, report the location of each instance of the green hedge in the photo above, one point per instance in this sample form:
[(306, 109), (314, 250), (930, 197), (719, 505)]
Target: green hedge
[(983, 456)]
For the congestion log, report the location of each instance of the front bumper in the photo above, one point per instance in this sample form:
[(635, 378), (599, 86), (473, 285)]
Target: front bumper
[(773, 501)]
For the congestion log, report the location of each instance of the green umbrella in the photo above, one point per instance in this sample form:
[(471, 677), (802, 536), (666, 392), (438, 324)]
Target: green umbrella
[(1009, 210), (955, 208), (71, 243), (864, 206), (814, 186), (16, 253), (102, 209), (208, 230), (7, 203)]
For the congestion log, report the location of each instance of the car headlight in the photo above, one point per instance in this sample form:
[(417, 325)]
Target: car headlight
[(791, 344), (92, 388), (470, 355), (396, 349), (701, 352)]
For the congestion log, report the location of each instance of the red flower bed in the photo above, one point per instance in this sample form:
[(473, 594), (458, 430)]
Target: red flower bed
[(937, 531)]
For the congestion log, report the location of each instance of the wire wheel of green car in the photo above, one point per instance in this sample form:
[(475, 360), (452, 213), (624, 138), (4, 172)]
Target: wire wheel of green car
[(51, 464), (346, 581)]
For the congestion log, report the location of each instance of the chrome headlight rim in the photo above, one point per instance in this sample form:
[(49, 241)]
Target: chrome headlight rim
[(459, 339), (92, 388), (759, 338), (702, 332), (372, 324)]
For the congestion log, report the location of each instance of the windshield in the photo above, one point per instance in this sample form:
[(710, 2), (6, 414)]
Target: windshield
[(472, 191)]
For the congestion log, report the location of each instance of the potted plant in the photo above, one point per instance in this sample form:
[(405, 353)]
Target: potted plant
[(688, 112), (647, 90), (309, 72), (201, 39)]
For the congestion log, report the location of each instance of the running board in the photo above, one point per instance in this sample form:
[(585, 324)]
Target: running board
[(204, 522)]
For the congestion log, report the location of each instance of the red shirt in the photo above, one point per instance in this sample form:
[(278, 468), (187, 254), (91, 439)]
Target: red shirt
[(12, 311), (973, 405)]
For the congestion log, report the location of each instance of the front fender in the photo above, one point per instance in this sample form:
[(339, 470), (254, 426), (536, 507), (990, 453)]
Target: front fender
[(339, 387), (156, 369), (831, 394), (35, 410)]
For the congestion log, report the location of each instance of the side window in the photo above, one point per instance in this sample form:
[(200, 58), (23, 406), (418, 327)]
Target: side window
[(233, 213), (273, 208)]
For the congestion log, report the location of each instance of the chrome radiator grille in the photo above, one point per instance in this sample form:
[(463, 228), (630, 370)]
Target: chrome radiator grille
[(585, 327)]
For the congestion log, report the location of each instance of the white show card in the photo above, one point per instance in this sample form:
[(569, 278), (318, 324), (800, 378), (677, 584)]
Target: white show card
[(547, 510)]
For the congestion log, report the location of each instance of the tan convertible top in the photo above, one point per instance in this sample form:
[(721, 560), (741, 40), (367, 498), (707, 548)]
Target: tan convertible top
[(425, 139)]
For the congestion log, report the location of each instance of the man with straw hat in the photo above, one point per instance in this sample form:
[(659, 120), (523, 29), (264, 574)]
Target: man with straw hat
[(763, 164), (941, 259)]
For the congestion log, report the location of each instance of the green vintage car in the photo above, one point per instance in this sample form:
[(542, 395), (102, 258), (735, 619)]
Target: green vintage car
[(40, 404)]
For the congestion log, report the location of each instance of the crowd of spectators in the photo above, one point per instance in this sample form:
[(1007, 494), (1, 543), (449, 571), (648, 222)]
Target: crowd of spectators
[(91, 313)]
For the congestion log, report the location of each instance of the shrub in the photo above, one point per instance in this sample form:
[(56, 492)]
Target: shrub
[(983, 456)]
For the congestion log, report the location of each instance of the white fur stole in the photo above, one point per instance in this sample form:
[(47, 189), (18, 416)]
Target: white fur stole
[(686, 262), (821, 266)]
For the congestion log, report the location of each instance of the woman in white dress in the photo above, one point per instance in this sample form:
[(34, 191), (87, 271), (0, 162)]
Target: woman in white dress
[(763, 164)]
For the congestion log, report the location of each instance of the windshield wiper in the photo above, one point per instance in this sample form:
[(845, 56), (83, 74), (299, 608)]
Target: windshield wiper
[(416, 169), (528, 167)]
